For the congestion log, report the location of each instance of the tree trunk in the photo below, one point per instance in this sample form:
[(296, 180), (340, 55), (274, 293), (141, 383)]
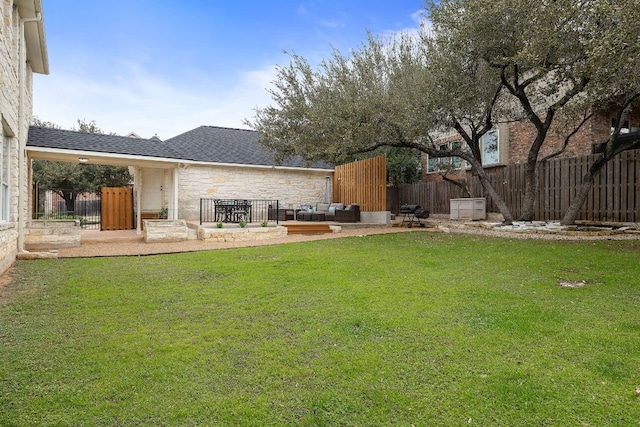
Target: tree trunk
[(69, 202), (570, 215), (497, 199), (530, 192), (464, 186)]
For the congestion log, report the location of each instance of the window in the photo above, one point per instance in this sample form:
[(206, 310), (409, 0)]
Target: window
[(491, 149), (432, 164), (456, 162), (443, 163), (624, 128), (5, 163), (490, 146)]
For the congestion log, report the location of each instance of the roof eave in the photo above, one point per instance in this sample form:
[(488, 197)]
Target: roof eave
[(95, 157), (64, 154), (253, 166), (34, 34)]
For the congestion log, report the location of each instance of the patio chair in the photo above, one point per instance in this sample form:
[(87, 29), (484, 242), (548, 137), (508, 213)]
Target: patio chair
[(349, 214)]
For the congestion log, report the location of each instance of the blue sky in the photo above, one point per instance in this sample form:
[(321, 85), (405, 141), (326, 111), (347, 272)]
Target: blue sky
[(165, 67)]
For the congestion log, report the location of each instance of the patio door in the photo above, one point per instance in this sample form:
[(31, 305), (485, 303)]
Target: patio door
[(152, 188)]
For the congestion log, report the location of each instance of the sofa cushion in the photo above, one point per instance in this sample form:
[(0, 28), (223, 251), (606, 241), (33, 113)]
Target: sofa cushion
[(323, 207), (332, 209)]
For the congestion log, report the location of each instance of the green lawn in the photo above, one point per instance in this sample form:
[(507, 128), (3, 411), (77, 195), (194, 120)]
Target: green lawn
[(404, 329)]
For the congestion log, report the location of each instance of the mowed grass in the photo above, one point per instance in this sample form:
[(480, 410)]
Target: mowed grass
[(405, 329)]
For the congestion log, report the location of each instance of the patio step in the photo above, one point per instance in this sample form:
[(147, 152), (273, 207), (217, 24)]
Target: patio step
[(120, 236), (308, 228)]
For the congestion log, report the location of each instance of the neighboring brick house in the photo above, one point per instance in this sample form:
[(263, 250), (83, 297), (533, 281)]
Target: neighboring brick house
[(509, 143), (206, 162), (23, 52)]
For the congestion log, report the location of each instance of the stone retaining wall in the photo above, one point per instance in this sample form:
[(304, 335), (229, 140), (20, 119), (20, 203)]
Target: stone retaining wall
[(241, 234), (52, 234), (165, 230)]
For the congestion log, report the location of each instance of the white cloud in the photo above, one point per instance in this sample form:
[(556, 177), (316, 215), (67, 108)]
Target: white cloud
[(419, 16), (422, 23), (140, 97), (139, 101), (332, 24)]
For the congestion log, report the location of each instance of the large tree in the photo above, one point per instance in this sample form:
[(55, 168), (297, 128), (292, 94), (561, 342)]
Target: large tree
[(398, 92), (560, 61), (615, 82), (70, 179), (550, 63)]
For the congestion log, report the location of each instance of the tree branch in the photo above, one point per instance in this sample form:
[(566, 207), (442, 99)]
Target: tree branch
[(464, 185), (584, 120)]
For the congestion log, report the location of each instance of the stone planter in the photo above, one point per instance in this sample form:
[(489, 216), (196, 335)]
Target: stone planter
[(237, 234), (165, 230), (44, 235)]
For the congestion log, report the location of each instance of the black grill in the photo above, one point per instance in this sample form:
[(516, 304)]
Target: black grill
[(413, 213), (407, 209)]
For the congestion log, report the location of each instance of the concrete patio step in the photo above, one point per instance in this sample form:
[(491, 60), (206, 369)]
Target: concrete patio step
[(119, 236)]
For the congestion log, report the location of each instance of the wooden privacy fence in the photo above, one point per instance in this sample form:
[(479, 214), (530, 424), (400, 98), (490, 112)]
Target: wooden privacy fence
[(117, 208), (615, 195), (363, 183)]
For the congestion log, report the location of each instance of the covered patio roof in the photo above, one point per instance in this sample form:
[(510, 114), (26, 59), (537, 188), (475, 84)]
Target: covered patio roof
[(203, 145), (72, 146)]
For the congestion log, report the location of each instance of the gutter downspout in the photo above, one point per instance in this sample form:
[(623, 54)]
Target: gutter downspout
[(174, 196), (22, 186), (137, 184)]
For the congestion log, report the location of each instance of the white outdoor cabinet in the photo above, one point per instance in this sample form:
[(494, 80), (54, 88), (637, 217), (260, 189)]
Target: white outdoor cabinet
[(468, 208)]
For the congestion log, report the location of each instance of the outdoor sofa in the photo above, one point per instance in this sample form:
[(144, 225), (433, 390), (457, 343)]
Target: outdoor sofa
[(329, 212)]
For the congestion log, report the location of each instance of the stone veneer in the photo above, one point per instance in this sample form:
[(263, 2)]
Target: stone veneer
[(12, 125), (292, 187), (8, 245), (237, 234), (52, 234), (165, 230)]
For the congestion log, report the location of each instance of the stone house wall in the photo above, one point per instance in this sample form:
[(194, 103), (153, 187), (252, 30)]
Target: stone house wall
[(292, 187), (11, 125)]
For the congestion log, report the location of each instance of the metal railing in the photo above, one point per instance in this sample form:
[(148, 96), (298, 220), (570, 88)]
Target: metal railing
[(86, 208), (238, 210)]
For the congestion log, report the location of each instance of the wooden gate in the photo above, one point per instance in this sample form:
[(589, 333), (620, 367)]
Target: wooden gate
[(117, 208)]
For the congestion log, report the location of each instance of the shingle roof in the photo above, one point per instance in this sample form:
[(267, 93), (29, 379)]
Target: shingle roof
[(204, 144), (97, 142)]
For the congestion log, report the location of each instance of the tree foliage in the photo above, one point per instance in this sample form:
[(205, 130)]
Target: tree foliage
[(403, 166), (386, 93), (551, 63), (558, 60)]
